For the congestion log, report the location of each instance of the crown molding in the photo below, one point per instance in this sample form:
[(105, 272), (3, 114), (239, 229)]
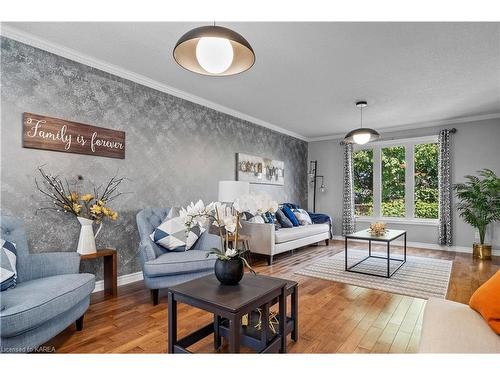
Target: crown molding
[(71, 54), (416, 125)]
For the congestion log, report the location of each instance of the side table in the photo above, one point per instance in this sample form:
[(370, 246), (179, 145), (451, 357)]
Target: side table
[(109, 257)]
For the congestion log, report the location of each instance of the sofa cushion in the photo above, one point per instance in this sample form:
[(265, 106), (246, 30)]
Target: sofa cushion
[(486, 301), (32, 303), (290, 215), (290, 234), (302, 216), (451, 327), (176, 263), (283, 220), (8, 256)]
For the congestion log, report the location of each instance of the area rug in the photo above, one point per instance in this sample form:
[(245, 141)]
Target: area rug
[(418, 277)]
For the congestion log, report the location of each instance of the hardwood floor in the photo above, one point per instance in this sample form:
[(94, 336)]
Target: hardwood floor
[(333, 317)]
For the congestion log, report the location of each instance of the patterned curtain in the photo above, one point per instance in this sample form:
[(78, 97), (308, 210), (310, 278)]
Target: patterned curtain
[(445, 188), (348, 224)]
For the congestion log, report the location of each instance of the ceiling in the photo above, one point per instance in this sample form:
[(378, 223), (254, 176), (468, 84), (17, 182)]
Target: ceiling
[(308, 76)]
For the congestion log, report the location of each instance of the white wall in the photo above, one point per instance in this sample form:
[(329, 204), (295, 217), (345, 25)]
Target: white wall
[(475, 145)]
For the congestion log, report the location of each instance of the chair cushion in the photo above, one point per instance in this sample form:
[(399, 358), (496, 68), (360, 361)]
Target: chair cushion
[(35, 302), (176, 263), (173, 235), (8, 256), (486, 301), (290, 234)]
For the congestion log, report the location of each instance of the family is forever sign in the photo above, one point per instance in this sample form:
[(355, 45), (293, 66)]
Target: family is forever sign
[(49, 133)]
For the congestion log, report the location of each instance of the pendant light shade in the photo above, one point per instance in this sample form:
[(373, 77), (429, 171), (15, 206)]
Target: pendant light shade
[(361, 135), (214, 51)]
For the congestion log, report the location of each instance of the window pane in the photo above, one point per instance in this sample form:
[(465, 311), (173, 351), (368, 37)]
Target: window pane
[(363, 182), (426, 181), (393, 181)]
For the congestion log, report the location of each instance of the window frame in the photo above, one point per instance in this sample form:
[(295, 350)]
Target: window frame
[(409, 145)]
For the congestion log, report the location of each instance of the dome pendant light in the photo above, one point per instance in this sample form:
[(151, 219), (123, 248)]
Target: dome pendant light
[(361, 135), (214, 51)]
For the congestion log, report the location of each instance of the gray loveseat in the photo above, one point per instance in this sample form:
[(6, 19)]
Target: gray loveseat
[(50, 294), (162, 268)]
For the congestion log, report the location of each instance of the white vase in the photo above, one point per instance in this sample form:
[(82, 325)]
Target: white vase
[(86, 241)]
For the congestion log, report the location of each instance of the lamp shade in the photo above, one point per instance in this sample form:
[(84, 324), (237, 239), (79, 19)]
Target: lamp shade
[(361, 136), (214, 51), (229, 191)]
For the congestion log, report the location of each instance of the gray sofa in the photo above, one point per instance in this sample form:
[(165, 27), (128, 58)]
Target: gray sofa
[(50, 294), (162, 268)]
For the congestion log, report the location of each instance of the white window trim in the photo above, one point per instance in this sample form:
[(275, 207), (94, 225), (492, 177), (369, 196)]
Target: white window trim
[(409, 144)]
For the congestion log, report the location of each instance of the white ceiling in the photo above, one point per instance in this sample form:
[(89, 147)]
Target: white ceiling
[(307, 76)]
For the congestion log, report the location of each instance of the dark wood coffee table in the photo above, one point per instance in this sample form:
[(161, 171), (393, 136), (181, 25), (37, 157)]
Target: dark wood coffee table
[(229, 303)]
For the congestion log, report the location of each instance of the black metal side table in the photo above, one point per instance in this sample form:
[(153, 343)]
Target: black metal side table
[(388, 237)]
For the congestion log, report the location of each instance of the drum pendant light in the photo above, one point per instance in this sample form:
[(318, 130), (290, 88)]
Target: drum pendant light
[(361, 135), (214, 51)]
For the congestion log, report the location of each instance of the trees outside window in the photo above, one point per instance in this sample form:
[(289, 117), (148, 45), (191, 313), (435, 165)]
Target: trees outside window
[(363, 182), (426, 181), (383, 187), (393, 181)]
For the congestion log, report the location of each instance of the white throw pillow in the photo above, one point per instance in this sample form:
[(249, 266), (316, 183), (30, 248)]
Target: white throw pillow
[(173, 235), (302, 216), (257, 219)]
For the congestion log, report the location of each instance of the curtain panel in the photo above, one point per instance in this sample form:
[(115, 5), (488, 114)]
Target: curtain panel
[(445, 188), (348, 223)]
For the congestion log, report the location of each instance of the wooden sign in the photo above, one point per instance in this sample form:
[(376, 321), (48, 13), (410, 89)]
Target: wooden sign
[(49, 133)]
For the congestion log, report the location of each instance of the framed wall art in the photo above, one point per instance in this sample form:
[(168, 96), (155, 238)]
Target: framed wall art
[(259, 170)]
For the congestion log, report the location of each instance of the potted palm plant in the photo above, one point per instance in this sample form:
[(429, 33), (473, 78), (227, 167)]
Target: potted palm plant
[(479, 205)]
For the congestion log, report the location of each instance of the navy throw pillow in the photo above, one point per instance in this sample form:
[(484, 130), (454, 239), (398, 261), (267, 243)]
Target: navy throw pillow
[(283, 220), (291, 216)]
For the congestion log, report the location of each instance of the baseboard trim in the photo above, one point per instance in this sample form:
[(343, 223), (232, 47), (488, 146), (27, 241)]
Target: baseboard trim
[(122, 280), (431, 246)]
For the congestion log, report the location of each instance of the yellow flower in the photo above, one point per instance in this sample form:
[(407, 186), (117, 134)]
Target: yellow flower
[(100, 203), (114, 216), (73, 197), (106, 211), (77, 207), (87, 197), (95, 209)]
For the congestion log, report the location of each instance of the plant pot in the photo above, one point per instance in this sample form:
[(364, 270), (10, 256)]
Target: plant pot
[(229, 272), (482, 252)]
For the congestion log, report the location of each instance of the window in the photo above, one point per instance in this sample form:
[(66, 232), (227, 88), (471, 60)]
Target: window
[(426, 181), (363, 182), (397, 179), (393, 181)]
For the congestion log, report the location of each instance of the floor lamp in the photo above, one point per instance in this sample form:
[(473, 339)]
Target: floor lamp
[(313, 176)]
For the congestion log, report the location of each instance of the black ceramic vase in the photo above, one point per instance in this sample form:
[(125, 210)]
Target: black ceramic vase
[(229, 272)]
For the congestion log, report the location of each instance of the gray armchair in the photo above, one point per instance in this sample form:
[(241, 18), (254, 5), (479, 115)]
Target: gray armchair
[(162, 268), (50, 294)]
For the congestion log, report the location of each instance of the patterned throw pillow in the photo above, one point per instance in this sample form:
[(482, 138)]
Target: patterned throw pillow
[(302, 216), (173, 235), (8, 257)]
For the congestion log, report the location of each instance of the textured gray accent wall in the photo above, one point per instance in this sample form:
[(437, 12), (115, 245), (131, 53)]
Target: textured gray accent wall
[(474, 147), (176, 151)]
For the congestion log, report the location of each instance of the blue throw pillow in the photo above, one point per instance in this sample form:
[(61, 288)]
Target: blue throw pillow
[(283, 219), (8, 257), (291, 216)]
